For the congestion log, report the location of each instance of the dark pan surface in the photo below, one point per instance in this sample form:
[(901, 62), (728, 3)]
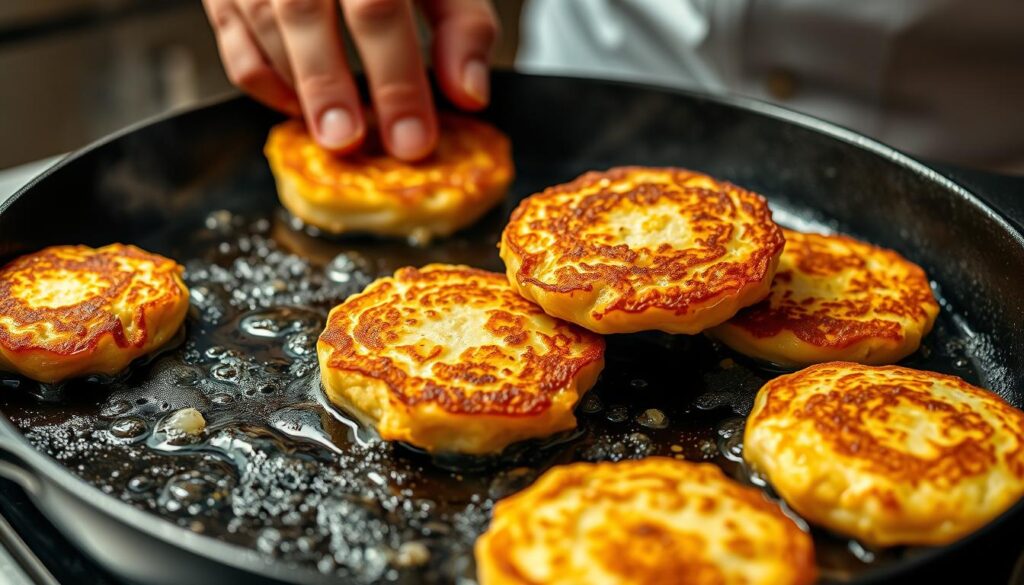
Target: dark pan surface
[(304, 486)]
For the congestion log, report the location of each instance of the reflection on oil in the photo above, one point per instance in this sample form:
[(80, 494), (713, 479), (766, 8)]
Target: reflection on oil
[(279, 470)]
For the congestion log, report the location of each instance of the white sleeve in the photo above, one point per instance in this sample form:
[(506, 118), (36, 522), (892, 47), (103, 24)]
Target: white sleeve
[(673, 42), (940, 78)]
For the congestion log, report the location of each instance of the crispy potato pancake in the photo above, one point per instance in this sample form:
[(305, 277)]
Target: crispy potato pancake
[(656, 520), (370, 192), (450, 359), (69, 311), (637, 248), (885, 454), (835, 298)]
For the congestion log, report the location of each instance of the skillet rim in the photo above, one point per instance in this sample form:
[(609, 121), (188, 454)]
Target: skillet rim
[(41, 467)]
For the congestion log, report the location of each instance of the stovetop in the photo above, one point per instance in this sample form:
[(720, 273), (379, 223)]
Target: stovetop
[(33, 552)]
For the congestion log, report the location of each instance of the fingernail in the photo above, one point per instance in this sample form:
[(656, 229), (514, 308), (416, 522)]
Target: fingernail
[(409, 138), (337, 128), (476, 80)]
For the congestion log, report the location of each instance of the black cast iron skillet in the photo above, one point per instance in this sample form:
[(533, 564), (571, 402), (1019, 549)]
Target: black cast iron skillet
[(158, 181)]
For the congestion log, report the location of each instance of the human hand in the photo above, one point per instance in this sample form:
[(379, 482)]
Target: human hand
[(289, 55)]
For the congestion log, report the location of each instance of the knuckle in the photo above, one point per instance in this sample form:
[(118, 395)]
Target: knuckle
[(247, 75), (299, 9), (312, 86), (401, 96), (261, 13), (221, 14), (364, 13), (480, 27)]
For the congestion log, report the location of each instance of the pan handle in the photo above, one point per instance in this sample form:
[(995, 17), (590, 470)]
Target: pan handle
[(14, 468)]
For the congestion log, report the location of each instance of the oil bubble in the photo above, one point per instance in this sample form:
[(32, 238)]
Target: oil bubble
[(591, 404), (193, 493), (609, 448), (128, 428), (708, 449), (617, 413), (340, 269), (211, 307), (861, 552), (226, 372), (219, 220), (412, 554), (301, 345), (217, 352), (639, 443), (280, 321), (268, 540), (732, 447), (730, 427), (116, 408), (653, 418), (140, 484)]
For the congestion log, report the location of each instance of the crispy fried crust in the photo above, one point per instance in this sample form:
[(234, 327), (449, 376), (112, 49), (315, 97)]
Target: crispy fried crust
[(656, 520), (888, 455), (637, 248), (450, 359), (836, 298), (68, 311), (374, 193)]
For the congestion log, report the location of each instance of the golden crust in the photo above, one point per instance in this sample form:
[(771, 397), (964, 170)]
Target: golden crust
[(836, 298), (68, 311), (371, 192), (637, 248), (656, 520), (450, 359), (887, 454)]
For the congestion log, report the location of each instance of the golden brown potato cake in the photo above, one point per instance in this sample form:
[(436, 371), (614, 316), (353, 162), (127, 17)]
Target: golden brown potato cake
[(450, 359), (656, 520), (835, 298), (637, 248), (885, 454), (68, 311), (371, 192)]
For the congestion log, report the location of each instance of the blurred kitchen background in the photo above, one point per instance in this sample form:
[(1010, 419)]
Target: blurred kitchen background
[(75, 70), (945, 88)]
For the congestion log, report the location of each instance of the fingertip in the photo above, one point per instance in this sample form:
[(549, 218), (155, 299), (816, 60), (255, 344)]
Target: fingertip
[(464, 35), (476, 83), (466, 87), (348, 148), (411, 138), (339, 129)]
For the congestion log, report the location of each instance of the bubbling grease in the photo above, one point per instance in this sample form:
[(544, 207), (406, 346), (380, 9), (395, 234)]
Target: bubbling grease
[(278, 470)]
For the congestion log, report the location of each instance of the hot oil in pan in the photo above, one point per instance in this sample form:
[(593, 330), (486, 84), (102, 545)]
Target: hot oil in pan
[(280, 471)]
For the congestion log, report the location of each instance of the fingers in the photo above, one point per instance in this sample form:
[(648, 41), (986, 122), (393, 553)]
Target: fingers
[(385, 35), (262, 22), (464, 34), (244, 64), (330, 102), (289, 55)]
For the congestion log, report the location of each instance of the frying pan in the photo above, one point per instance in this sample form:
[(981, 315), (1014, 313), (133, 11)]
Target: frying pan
[(162, 178)]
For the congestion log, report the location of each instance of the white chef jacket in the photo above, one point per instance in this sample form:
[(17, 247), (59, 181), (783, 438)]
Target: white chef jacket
[(942, 79)]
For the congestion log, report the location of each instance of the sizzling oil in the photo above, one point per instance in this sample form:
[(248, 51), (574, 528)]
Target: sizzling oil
[(279, 470)]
